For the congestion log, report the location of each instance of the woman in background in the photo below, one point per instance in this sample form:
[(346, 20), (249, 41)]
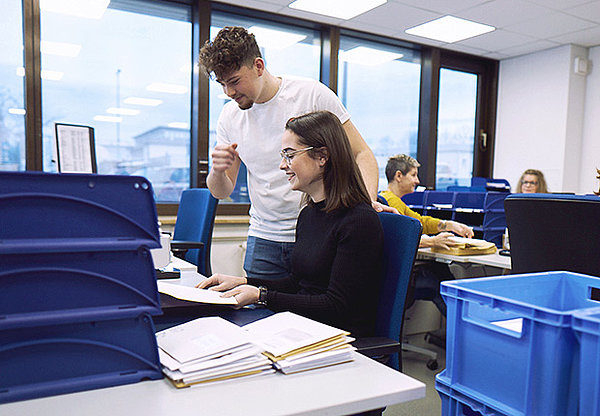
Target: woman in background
[(338, 256), (532, 181)]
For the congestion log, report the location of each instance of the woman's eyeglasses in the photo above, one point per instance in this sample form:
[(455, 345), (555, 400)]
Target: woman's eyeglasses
[(531, 183), (288, 155)]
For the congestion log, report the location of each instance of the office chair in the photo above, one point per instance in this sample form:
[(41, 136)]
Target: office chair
[(194, 227), (554, 232), (401, 240)]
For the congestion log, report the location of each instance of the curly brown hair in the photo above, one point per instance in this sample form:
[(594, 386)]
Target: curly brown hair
[(232, 48)]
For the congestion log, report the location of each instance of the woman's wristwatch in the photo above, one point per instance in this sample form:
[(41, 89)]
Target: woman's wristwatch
[(262, 296)]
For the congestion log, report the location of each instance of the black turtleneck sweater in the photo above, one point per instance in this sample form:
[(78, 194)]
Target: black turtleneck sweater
[(336, 269)]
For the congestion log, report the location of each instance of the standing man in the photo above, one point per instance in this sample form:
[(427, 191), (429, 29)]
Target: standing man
[(250, 128)]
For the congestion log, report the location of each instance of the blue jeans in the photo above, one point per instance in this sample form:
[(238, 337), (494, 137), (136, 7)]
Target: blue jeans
[(267, 259)]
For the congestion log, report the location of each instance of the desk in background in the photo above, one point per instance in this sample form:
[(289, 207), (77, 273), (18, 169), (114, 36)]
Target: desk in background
[(470, 266)]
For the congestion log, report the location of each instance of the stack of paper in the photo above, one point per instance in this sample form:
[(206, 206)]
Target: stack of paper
[(295, 343), (467, 247), (209, 349)]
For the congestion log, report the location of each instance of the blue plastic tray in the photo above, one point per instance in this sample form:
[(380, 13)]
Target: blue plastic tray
[(95, 210), (62, 358), (36, 288), (532, 371)]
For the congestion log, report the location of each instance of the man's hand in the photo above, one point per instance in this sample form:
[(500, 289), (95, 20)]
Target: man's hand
[(223, 157), (379, 207)]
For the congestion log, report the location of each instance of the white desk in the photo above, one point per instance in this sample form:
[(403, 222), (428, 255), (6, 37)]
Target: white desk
[(338, 390), (494, 260)]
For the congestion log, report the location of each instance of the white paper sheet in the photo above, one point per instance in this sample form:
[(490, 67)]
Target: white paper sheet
[(193, 294)]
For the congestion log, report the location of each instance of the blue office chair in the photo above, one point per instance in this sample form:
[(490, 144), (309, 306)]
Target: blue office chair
[(554, 232), (194, 227), (401, 240)]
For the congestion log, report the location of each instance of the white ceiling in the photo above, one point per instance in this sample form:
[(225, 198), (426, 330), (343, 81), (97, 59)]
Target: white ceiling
[(522, 26)]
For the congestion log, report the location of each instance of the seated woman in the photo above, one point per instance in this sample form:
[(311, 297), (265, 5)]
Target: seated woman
[(403, 176), (338, 255), (532, 181)]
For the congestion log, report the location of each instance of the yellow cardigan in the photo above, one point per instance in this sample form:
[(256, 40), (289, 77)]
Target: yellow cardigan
[(430, 224)]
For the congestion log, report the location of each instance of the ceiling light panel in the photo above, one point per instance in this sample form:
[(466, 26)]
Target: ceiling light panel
[(89, 9), (110, 119), (150, 102), (122, 111), (179, 125), (369, 56), (70, 50), (450, 29), (342, 9), (275, 39)]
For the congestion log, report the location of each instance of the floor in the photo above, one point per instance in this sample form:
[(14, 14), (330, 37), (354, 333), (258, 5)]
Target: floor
[(415, 366)]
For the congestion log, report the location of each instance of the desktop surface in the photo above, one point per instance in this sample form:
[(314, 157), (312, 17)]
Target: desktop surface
[(353, 387)]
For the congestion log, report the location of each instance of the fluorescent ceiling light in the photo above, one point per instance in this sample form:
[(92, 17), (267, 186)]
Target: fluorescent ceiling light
[(150, 102), (60, 48), (123, 111), (450, 29), (343, 9), (90, 9), (168, 88), (17, 111), (275, 39), (110, 119), (46, 74), (369, 56), (179, 125)]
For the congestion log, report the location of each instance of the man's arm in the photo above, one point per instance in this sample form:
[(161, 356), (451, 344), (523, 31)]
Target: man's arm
[(364, 158), (223, 174)]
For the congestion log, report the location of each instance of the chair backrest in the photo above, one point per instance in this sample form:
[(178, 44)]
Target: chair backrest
[(401, 241), (195, 221), (554, 232)]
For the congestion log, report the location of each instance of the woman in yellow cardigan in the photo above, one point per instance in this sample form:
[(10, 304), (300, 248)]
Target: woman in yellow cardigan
[(402, 174)]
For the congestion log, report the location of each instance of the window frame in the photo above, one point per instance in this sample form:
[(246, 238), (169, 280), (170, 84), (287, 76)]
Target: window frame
[(432, 59)]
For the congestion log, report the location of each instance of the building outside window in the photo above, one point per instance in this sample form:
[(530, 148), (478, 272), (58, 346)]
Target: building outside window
[(126, 71)]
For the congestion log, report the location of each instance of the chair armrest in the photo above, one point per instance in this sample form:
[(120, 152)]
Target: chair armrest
[(377, 346), (186, 245)]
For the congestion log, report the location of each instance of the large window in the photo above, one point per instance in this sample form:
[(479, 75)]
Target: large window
[(128, 72), (456, 128), (12, 107), (379, 85), (125, 71), (286, 51)]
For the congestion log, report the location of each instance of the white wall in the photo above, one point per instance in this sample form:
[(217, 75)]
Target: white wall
[(590, 146), (540, 124)]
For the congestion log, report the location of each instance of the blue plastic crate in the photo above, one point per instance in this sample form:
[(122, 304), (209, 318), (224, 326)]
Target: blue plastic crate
[(456, 403), (587, 326), (66, 357), (509, 339)]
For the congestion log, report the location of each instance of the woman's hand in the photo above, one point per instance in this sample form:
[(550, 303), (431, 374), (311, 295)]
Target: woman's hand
[(222, 282), (244, 294), (459, 229), (442, 240)]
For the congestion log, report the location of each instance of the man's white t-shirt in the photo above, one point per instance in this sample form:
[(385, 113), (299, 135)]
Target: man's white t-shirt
[(258, 131)]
